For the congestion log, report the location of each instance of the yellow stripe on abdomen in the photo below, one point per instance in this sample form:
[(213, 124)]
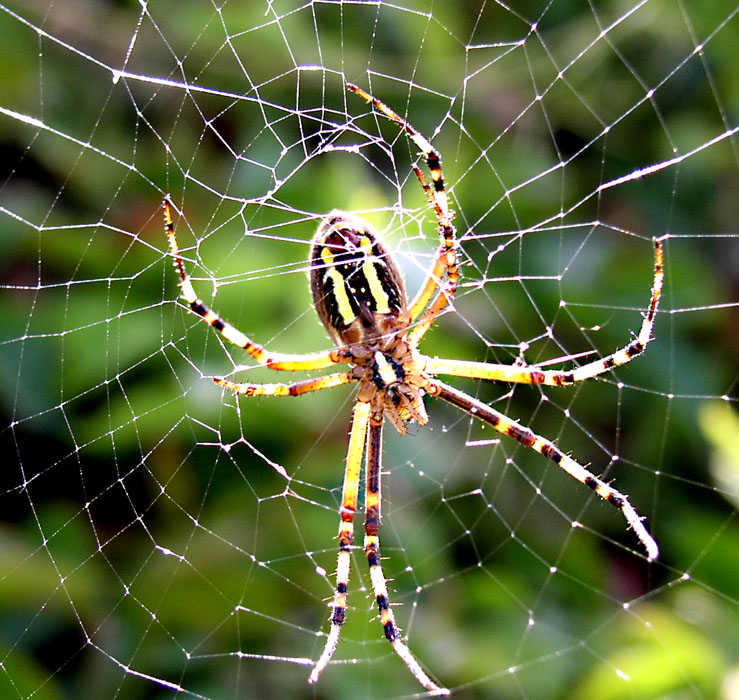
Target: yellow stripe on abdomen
[(339, 288), (382, 300)]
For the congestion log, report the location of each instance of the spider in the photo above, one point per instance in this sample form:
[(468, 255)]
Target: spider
[(360, 297)]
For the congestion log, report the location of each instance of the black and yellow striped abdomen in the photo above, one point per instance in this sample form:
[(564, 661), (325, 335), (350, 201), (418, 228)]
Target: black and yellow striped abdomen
[(358, 290)]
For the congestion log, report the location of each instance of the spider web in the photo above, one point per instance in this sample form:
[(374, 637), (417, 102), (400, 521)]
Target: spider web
[(161, 539)]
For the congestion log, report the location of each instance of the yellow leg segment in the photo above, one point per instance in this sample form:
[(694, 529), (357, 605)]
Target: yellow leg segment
[(350, 494), (446, 263), (294, 389), (429, 288)]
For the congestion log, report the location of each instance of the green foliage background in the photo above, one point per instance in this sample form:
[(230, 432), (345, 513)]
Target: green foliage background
[(133, 547)]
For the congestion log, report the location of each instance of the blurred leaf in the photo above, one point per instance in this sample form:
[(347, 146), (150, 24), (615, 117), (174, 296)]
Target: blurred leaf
[(719, 422), (653, 655)]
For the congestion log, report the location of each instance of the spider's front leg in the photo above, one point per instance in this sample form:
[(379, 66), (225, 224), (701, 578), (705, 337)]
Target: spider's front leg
[(446, 258), (446, 262)]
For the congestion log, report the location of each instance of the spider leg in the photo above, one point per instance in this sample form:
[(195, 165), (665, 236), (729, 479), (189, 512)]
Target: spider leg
[(528, 438), (372, 552), (446, 262), (295, 389), (233, 335), (532, 375), (446, 259), (349, 496)]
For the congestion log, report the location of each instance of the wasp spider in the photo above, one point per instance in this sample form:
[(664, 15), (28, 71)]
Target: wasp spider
[(360, 297)]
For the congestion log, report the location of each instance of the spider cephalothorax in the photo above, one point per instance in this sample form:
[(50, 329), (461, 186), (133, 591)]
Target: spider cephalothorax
[(360, 297)]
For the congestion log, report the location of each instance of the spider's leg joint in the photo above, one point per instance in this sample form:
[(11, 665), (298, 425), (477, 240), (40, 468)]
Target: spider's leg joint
[(347, 513)]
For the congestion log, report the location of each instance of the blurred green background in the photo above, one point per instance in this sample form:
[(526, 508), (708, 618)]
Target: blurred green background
[(161, 539)]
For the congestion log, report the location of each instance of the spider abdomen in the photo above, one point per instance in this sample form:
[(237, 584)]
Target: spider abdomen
[(357, 288)]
